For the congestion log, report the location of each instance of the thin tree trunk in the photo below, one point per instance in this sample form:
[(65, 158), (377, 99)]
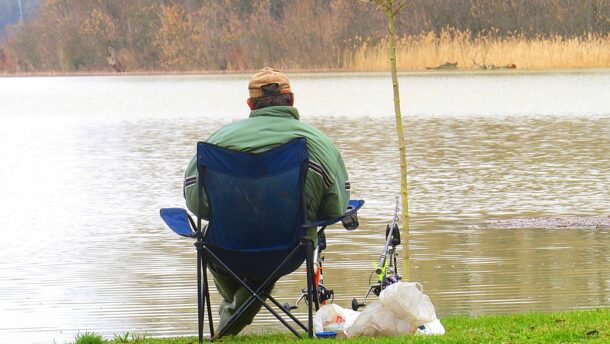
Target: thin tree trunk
[(391, 8)]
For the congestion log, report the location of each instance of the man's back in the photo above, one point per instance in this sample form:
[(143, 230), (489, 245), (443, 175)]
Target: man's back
[(326, 186)]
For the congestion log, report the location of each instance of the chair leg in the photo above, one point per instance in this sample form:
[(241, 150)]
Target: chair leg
[(254, 294), (310, 286), (245, 306), (287, 312), (206, 293), (250, 301), (200, 293)]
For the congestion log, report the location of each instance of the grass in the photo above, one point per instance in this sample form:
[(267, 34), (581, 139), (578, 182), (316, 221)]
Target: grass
[(590, 326), (431, 50), (89, 338)]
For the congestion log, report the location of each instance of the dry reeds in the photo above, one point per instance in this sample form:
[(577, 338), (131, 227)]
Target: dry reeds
[(487, 50)]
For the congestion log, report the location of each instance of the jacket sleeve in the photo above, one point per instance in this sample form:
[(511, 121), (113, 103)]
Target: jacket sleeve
[(336, 195), (191, 179)]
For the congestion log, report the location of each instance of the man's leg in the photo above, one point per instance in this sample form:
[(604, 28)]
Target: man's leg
[(234, 295)]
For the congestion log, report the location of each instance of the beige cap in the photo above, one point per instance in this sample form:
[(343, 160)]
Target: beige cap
[(267, 76)]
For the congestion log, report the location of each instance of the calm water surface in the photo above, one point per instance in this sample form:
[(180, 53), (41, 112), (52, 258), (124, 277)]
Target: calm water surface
[(86, 162)]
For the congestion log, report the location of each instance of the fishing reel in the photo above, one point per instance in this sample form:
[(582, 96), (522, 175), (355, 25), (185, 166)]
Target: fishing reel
[(387, 269), (323, 294)]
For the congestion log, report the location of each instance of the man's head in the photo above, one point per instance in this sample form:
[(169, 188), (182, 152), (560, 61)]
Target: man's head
[(269, 87)]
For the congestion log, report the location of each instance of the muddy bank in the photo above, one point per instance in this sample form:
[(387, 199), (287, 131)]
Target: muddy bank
[(552, 222)]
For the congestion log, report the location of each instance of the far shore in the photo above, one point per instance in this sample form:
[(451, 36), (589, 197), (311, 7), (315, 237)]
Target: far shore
[(308, 71), (449, 51)]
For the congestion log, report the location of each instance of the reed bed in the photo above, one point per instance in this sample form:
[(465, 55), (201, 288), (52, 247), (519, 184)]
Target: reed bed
[(484, 51)]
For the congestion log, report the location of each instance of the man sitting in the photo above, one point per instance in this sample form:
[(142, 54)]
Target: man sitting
[(272, 122)]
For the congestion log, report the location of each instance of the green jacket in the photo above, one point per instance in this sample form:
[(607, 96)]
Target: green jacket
[(326, 186)]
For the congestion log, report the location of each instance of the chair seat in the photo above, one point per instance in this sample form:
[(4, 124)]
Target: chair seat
[(260, 264)]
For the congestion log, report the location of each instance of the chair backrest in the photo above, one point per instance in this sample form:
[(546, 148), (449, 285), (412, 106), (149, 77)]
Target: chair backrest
[(256, 201)]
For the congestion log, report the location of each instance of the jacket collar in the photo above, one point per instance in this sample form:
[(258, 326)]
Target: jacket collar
[(277, 111)]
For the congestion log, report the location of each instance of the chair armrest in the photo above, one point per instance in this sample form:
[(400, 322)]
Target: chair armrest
[(352, 209), (179, 221)]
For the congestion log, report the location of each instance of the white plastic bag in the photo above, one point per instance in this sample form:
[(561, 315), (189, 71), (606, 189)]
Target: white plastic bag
[(334, 318), (434, 328), (377, 320), (402, 308), (408, 302)]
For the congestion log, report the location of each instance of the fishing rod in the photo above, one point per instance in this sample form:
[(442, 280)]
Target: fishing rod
[(387, 268)]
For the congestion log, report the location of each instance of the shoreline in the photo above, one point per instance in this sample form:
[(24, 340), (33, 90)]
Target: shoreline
[(314, 71), (578, 325)]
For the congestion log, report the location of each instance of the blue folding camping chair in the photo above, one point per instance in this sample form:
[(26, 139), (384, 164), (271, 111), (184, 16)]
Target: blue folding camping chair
[(257, 225)]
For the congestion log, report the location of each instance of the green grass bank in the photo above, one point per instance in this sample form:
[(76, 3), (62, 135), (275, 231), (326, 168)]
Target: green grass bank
[(586, 326)]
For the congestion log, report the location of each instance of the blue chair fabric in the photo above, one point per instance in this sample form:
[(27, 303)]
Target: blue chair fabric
[(178, 220), (256, 205)]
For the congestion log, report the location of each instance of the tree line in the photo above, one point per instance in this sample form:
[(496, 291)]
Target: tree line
[(177, 35)]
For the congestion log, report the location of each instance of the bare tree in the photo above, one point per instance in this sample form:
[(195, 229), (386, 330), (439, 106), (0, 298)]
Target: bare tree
[(391, 8)]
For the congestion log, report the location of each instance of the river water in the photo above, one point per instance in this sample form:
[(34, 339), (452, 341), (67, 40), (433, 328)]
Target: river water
[(88, 161)]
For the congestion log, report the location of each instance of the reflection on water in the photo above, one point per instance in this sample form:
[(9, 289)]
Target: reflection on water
[(82, 180)]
